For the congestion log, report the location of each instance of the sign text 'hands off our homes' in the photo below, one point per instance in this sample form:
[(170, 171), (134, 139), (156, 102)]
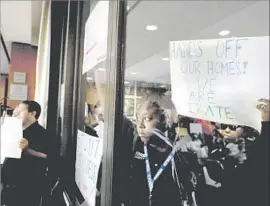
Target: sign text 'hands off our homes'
[(220, 79)]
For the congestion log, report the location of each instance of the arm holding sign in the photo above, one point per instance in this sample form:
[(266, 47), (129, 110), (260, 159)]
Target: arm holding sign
[(23, 143), (264, 107), (24, 146), (249, 184), (34, 153)]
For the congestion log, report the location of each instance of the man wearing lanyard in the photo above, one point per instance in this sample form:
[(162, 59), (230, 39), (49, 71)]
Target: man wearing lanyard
[(155, 179), (24, 178)]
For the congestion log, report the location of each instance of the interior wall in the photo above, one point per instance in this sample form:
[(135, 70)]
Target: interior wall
[(2, 89), (23, 59)]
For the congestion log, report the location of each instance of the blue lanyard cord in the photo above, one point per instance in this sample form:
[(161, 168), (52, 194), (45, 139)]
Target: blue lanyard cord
[(151, 180), (162, 136)]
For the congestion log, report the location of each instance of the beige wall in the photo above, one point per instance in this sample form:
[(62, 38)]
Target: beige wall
[(2, 89)]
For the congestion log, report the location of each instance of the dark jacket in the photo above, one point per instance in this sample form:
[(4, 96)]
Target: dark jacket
[(249, 184), (166, 189), (123, 155)]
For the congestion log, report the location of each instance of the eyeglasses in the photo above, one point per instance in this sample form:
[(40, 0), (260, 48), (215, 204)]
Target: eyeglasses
[(231, 127)]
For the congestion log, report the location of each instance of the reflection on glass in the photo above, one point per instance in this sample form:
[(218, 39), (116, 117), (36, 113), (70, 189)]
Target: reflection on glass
[(94, 126), (95, 97), (129, 87), (200, 60), (129, 107)]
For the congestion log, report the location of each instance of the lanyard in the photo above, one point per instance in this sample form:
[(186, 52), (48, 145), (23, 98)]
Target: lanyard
[(151, 180), (161, 136), (166, 140)]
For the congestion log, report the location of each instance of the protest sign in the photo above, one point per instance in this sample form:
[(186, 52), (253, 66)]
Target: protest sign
[(88, 159), (220, 79), (11, 134)]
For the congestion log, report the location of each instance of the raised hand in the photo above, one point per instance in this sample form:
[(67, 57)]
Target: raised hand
[(264, 107)]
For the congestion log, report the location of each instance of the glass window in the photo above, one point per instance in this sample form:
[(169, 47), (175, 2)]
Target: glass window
[(194, 72), (88, 176), (90, 140)]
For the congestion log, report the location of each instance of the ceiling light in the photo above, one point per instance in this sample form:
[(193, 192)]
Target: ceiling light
[(151, 27), (101, 69), (133, 73), (224, 33), (162, 86), (128, 8), (165, 59), (126, 82), (89, 78)]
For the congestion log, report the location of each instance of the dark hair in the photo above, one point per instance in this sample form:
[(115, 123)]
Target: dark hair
[(33, 106), (9, 111), (165, 107)]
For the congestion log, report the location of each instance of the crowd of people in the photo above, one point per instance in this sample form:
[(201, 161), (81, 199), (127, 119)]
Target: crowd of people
[(161, 160), (171, 165)]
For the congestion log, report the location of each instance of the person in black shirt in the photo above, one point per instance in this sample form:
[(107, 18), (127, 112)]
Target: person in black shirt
[(24, 178)]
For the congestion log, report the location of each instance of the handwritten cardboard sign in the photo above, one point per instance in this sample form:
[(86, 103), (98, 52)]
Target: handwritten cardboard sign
[(88, 159), (220, 79)]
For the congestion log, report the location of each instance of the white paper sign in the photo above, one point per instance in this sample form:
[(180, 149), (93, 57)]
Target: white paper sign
[(96, 33), (11, 134), (220, 79), (196, 128), (18, 92), (88, 159), (19, 77)]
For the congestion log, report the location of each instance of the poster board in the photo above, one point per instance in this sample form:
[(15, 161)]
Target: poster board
[(88, 159), (220, 80), (96, 33), (18, 92), (19, 77), (11, 134)]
